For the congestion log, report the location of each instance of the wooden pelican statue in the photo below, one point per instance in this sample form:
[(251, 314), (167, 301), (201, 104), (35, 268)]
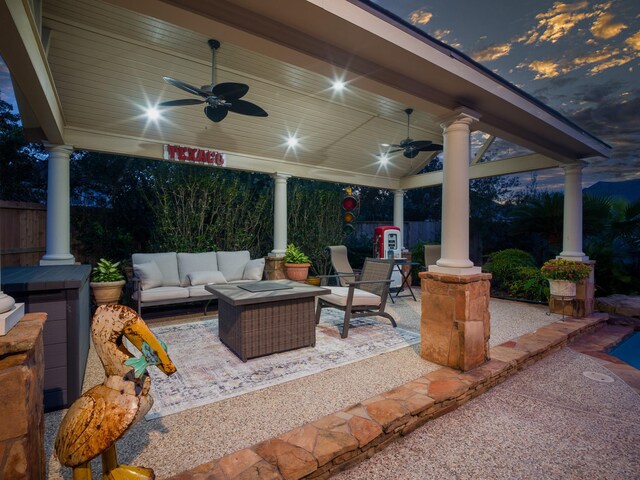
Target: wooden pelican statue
[(104, 413)]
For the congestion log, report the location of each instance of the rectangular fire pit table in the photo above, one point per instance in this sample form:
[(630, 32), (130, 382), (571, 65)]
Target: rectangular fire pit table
[(256, 323)]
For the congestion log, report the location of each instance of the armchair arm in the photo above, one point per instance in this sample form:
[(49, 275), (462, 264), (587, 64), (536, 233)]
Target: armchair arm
[(363, 282), (337, 275)]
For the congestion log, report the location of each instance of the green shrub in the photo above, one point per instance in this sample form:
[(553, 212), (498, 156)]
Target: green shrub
[(529, 284), (504, 264)]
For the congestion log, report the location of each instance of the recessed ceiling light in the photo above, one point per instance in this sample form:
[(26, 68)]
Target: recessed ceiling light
[(338, 85), (384, 158), (153, 113), (292, 141)]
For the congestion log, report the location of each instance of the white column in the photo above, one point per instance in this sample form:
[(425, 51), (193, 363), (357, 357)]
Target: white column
[(398, 213), (455, 195), (572, 226), (58, 207), (279, 215)]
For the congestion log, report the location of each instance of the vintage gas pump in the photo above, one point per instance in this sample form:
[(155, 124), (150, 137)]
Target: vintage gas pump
[(387, 242)]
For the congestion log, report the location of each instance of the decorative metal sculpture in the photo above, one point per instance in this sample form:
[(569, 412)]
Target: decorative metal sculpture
[(104, 413)]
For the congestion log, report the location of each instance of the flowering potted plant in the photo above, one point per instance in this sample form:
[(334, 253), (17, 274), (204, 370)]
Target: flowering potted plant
[(563, 275), (296, 263)]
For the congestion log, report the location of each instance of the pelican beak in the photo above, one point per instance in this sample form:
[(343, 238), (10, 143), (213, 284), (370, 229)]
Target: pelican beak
[(155, 351)]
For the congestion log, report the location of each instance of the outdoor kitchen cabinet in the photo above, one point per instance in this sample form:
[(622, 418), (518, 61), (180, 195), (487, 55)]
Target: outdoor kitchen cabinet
[(62, 292)]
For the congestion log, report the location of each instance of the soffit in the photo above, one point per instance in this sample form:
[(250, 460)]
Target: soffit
[(108, 64)]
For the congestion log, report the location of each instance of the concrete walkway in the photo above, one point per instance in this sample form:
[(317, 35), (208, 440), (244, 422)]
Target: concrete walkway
[(550, 421)]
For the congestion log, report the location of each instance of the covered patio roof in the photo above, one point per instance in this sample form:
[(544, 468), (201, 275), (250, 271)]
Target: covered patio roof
[(98, 65)]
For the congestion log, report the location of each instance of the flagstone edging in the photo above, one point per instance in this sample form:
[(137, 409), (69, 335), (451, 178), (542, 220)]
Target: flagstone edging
[(338, 441)]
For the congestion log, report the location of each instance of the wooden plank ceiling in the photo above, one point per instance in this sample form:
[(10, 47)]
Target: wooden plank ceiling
[(108, 62)]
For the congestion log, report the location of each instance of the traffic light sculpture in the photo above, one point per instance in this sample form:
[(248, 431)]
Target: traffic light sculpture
[(351, 207)]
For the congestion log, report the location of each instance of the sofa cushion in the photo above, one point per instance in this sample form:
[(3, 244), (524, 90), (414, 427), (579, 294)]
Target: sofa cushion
[(253, 269), (195, 262), (198, 291), (232, 264), (205, 277), (149, 274), (162, 293), (167, 263), (361, 298)]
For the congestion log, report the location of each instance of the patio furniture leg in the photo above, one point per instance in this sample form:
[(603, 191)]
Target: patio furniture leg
[(318, 311), (206, 306), (387, 315), (345, 328)]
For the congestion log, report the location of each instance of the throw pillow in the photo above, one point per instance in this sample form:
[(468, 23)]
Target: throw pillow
[(205, 277), (253, 269), (149, 274)]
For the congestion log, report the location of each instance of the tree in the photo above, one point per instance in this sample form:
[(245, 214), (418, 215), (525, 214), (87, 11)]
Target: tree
[(22, 164)]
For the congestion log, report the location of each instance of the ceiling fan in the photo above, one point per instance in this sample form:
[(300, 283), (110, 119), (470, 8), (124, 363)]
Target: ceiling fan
[(409, 147), (220, 98)]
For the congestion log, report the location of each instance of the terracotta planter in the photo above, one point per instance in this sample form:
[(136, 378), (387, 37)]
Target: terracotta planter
[(297, 272), (562, 288), (107, 292)]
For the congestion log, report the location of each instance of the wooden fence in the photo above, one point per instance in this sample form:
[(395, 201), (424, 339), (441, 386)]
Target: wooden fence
[(22, 233)]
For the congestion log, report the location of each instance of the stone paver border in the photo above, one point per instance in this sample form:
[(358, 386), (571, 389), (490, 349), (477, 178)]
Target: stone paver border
[(338, 441)]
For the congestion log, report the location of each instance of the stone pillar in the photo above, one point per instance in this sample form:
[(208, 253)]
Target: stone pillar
[(279, 215), (454, 324), (58, 207), (455, 196), (572, 223), (398, 213), (21, 404), (582, 305), (455, 321)]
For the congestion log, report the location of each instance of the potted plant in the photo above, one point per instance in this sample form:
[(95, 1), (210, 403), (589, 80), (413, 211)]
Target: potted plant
[(296, 263), (563, 275), (106, 282)]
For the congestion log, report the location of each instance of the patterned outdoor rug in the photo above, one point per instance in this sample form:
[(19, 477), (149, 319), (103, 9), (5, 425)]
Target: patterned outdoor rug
[(208, 371)]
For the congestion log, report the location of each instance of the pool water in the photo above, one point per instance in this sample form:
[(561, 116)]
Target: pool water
[(629, 350)]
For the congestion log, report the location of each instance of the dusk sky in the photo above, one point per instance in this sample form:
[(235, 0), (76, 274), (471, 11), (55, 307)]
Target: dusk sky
[(580, 58)]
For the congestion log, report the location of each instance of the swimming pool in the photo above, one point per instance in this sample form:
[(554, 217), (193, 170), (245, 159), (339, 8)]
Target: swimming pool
[(629, 350)]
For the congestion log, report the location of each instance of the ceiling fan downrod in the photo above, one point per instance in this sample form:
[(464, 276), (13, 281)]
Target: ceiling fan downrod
[(213, 45)]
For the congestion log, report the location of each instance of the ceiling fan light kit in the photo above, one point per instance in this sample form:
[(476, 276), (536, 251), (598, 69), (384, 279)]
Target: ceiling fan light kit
[(220, 99)]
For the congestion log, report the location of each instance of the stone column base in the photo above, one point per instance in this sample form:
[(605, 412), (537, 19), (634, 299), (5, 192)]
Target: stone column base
[(274, 268), (455, 322), (21, 401)]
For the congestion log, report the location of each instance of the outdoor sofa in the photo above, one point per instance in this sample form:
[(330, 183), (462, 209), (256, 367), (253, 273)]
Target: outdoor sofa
[(170, 277)]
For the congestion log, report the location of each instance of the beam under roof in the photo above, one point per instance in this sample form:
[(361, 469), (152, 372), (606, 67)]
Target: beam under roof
[(507, 166), (22, 50)]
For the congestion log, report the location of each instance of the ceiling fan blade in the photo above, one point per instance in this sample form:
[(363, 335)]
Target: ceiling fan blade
[(396, 150), (419, 144), (216, 114), (434, 147), (396, 145), (247, 108), (178, 103), (230, 91), (185, 86)]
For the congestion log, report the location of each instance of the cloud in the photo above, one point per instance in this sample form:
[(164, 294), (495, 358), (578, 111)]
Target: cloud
[(604, 28), (634, 41), (558, 21), (420, 17), (543, 68), (493, 52)]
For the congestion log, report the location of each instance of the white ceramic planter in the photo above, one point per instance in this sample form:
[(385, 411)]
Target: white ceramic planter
[(562, 288)]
